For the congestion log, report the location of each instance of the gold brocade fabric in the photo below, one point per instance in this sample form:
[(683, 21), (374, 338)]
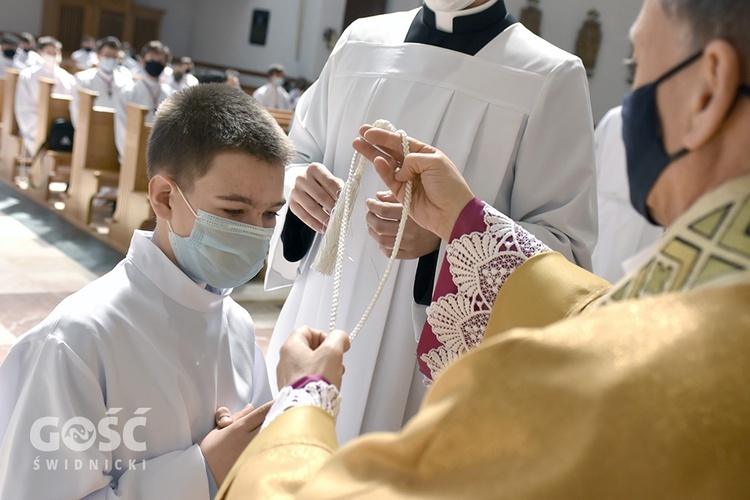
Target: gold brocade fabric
[(708, 246), (641, 398)]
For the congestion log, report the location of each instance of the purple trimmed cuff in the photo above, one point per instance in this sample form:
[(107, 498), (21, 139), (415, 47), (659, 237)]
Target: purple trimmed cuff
[(302, 382)]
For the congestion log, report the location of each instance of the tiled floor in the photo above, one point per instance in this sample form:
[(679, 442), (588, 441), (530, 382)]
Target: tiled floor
[(43, 259)]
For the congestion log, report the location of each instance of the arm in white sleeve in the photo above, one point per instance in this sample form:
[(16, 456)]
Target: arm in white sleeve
[(49, 450)]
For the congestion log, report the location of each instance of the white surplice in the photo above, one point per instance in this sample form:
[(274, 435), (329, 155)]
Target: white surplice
[(272, 96), (108, 85), (144, 339), (516, 120), (144, 92), (27, 98), (623, 232)]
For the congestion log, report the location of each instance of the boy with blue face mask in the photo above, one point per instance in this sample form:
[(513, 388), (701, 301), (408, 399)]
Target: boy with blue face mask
[(122, 380), (109, 78)]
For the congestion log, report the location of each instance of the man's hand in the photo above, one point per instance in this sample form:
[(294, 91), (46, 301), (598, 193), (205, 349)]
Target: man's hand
[(383, 218), (314, 194), (312, 352), (222, 447), (439, 192)]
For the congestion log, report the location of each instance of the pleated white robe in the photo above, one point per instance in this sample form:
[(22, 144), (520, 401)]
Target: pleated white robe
[(516, 120)]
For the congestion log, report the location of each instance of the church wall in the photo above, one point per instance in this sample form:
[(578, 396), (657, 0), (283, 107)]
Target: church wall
[(608, 84), (218, 31), (19, 16)]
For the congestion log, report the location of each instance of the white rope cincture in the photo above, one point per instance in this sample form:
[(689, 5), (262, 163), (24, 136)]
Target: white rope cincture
[(339, 225)]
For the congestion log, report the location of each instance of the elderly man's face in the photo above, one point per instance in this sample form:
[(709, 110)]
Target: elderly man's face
[(661, 42)]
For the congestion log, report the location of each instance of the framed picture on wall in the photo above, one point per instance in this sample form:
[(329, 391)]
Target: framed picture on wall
[(259, 26)]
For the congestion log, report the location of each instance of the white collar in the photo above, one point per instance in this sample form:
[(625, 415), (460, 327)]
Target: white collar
[(444, 20), (169, 278)]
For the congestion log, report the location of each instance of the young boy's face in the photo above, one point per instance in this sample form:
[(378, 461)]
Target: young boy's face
[(237, 186)]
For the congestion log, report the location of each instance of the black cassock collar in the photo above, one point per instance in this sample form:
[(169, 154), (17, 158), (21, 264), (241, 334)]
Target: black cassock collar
[(470, 32)]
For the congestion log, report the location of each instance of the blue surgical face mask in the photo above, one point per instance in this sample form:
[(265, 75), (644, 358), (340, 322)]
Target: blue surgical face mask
[(642, 135), (219, 251)]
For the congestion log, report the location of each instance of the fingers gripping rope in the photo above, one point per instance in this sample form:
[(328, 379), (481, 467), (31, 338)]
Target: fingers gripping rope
[(328, 261)]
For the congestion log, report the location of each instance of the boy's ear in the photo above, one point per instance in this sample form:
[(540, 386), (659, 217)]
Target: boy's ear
[(159, 191)]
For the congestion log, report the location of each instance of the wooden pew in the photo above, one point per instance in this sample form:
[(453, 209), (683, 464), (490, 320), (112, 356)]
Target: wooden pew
[(10, 143), (2, 104), (133, 209), (94, 161), (54, 164), (283, 117)]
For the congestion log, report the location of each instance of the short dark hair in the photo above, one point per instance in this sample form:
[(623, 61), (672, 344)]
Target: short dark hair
[(44, 41), (212, 77), (194, 125), (711, 19), (9, 40), (156, 46), (27, 37), (110, 41), (275, 69)]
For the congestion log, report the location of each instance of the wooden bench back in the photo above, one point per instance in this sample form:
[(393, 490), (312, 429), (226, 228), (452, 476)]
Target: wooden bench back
[(283, 117), (94, 146), (50, 108), (10, 126)]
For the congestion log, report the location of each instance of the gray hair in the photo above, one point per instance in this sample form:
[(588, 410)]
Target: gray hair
[(711, 19)]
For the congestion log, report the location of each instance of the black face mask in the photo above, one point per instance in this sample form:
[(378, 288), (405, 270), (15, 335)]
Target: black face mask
[(642, 135), (88, 49), (154, 68), (9, 53)]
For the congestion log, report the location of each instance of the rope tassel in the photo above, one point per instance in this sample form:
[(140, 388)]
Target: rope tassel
[(330, 258)]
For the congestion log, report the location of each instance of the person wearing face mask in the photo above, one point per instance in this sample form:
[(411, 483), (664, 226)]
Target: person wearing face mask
[(466, 77), (623, 233), (9, 46), (147, 352), (579, 389), (108, 79), (87, 56), (182, 77), (273, 95), (148, 90), (27, 89), (25, 54)]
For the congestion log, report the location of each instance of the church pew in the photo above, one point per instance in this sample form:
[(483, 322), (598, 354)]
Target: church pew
[(10, 143), (2, 103), (53, 164), (133, 209), (283, 117), (94, 161)]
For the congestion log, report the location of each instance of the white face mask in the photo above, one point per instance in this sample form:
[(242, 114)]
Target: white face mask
[(108, 64), (50, 60), (448, 5)]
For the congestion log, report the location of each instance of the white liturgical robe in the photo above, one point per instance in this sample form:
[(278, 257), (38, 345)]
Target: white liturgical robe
[(27, 98), (108, 85), (272, 96), (109, 395), (623, 232), (515, 119), (144, 92)]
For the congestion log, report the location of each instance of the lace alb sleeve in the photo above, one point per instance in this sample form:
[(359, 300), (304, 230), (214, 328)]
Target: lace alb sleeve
[(485, 248)]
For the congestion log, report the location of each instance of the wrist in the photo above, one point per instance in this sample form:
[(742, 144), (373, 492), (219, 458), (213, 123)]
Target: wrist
[(468, 220), (317, 393)]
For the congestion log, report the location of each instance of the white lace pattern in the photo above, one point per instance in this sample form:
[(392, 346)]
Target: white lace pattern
[(480, 263), (319, 394)]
